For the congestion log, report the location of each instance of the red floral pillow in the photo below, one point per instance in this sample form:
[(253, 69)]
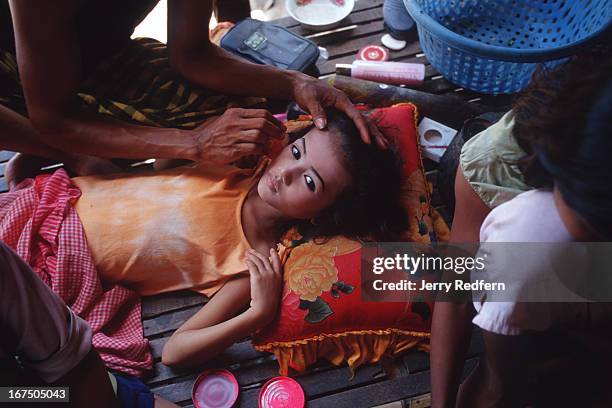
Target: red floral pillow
[(399, 124), (322, 314)]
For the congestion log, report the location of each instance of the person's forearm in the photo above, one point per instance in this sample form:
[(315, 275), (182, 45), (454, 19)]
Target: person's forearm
[(191, 347), (18, 135), (112, 139), (451, 330), (214, 68), (90, 378)]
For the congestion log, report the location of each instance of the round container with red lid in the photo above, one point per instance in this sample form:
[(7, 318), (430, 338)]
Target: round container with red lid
[(215, 388), (281, 392), (373, 53)]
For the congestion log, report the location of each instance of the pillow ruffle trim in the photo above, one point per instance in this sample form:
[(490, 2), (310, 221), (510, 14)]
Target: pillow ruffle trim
[(355, 347)]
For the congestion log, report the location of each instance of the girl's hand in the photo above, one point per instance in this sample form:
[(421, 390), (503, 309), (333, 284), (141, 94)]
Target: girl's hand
[(266, 282)]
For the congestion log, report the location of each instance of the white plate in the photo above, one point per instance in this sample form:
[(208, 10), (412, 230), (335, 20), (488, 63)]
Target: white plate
[(319, 14)]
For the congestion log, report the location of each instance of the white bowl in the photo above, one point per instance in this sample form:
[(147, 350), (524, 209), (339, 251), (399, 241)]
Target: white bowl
[(319, 15)]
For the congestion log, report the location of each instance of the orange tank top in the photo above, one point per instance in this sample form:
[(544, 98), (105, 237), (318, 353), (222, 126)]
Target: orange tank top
[(170, 230)]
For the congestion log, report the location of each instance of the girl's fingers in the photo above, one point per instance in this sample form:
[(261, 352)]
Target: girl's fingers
[(264, 260), (257, 261), (251, 267), (276, 264)]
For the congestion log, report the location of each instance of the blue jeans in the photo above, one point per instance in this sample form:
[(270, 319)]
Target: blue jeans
[(397, 20)]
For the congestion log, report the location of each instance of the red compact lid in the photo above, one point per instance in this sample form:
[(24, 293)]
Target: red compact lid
[(373, 53), (215, 389), (281, 392)]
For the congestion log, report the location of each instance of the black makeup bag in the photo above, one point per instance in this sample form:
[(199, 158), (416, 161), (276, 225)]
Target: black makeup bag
[(265, 43)]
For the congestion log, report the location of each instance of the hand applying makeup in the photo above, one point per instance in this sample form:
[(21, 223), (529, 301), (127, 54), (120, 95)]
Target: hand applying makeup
[(236, 134)]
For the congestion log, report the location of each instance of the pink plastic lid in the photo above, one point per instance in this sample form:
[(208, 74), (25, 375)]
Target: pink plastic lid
[(281, 392), (215, 389), (373, 53)]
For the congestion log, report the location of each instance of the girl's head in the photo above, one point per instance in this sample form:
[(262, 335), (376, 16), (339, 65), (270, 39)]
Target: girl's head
[(335, 184), (564, 121)]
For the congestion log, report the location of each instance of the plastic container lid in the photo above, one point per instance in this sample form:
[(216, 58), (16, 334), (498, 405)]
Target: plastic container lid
[(373, 53), (215, 389), (282, 392)]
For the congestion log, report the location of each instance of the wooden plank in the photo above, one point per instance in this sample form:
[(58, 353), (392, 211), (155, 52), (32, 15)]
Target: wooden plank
[(494, 102), (3, 185), (347, 41), (339, 47), (381, 392), (318, 382), (367, 34), (257, 372), (166, 302), (418, 360), (315, 383), (420, 401), (289, 22), (176, 392), (168, 322), (322, 383), (377, 393), (358, 18), (238, 353)]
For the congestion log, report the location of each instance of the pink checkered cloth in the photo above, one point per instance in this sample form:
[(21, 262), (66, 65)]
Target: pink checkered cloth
[(38, 221)]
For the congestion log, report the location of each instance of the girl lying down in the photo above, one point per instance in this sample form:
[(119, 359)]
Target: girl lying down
[(213, 229)]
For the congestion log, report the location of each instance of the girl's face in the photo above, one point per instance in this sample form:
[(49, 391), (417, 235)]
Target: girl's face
[(306, 177)]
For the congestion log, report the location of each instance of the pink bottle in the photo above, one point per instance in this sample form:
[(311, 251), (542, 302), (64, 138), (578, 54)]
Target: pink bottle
[(396, 73)]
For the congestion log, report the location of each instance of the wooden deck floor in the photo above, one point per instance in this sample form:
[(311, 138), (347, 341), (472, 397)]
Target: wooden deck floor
[(324, 385)]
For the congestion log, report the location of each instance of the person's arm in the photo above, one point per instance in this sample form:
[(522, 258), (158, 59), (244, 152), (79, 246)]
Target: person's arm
[(197, 59), (49, 338), (48, 57), (451, 325), (219, 323), (89, 378)]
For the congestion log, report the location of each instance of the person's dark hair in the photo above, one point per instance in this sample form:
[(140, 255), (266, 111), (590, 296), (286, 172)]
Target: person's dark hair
[(552, 113), (370, 208), (563, 121)]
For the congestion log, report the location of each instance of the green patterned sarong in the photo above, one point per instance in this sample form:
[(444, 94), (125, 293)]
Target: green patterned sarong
[(136, 85)]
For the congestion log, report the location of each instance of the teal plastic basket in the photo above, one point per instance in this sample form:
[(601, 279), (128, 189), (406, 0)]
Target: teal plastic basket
[(493, 46)]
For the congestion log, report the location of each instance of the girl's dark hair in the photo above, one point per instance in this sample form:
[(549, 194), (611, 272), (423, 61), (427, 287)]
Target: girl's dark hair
[(563, 121), (551, 113), (370, 208)]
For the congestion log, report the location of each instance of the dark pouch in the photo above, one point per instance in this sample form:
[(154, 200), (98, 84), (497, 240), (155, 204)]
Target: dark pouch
[(265, 43)]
